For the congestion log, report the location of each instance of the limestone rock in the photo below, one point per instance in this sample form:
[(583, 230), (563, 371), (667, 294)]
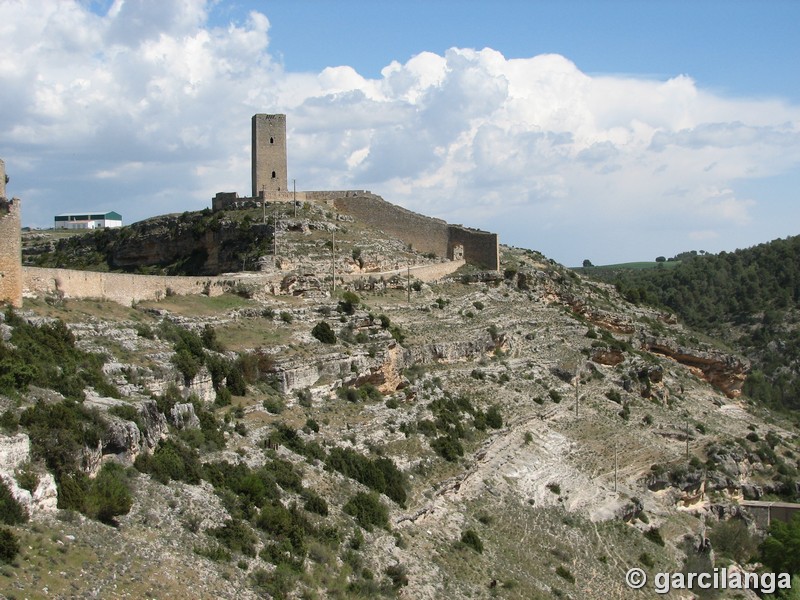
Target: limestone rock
[(184, 417), (726, 373)]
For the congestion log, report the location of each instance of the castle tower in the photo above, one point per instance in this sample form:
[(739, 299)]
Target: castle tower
[(269, 154), (10, 246)]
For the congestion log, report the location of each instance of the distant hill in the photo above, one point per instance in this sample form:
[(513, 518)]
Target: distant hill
[(749, 297)]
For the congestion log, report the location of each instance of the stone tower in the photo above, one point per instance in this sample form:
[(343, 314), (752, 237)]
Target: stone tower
[(10, 246), (269, 154)]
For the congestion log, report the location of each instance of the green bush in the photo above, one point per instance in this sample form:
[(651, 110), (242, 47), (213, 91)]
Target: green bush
[(46, 356), (171, 460), (11, 511), (109, 495), (779, 551), (315, 503), (236, 536), (654, 535), (323, 332), (58, 433), (493, 417), (471, 539), (9, 545), (448, 447), (368, 510)]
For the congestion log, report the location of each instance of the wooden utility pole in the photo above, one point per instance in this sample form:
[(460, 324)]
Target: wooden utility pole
[(294, 196), (687, 435), (616, 465), (333, 260), (275, 232), (408, 283)]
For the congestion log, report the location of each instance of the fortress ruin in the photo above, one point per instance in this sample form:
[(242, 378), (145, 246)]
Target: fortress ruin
[(10, 246), (422, 233)]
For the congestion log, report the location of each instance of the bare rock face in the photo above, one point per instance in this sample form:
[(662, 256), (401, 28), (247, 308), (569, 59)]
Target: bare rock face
[(15, 451), (726, 373), (201, 386), (184, 417), (607, 356), (123, 439), (154, 424)]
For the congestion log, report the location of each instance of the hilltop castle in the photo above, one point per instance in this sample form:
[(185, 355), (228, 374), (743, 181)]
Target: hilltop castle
[(423, 234), (10, 246)]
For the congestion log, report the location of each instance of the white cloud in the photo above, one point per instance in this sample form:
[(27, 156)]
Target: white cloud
[(147, 109)]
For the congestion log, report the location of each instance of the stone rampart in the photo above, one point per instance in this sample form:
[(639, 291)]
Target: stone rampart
[(423, 234), (118, 287), (128, 289), (481, 248), (10, 251)]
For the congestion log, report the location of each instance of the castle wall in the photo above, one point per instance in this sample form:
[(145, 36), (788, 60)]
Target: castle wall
[(10, 251), (480, 247), (268, 141), (117, 287), (424, 234), (126, 289)]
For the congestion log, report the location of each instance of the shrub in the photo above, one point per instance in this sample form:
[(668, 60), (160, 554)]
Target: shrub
[(493, 417), (11, 511), (315, 503), (323, 332), (9, 545), (565, 573), (171, 460), (654, 535), (448, 447), (348, 303), (286, 317), (236, 536), (109, 495), (398, 576), (471, 539), (368, 510)]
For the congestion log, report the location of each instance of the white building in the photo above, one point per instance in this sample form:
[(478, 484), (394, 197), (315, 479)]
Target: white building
[(95, 220)]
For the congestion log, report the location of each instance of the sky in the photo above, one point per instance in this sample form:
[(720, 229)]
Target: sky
[(611, 131)]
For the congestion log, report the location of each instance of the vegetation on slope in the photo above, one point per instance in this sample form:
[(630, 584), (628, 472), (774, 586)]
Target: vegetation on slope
[(750, 298)]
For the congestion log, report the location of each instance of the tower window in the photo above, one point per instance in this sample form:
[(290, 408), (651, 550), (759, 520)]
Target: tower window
[(271, 140), (273, 175)]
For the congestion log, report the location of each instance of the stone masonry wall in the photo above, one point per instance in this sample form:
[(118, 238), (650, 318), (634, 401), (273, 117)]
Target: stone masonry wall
[(118, 287), (424, 234), (480, 247), (10, 251), (127, 289)]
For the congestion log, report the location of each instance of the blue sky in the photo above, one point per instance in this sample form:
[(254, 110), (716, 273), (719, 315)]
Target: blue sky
[(605, 130)]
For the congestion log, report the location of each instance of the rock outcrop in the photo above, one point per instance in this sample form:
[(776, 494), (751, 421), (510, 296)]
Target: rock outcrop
[(725, 372)]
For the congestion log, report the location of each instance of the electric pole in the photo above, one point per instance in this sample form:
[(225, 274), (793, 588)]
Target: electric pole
[(616, 465), (408, 284), (333, 260), (294, 196)]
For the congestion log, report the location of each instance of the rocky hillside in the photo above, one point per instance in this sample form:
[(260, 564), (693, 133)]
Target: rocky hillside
[(523, 434)]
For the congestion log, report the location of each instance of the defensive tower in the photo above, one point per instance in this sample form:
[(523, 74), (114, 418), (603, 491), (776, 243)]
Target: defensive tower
[(269, 154), (10, 246)]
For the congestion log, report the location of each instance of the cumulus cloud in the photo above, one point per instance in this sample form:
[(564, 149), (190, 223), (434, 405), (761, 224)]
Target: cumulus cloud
[(146, 108)]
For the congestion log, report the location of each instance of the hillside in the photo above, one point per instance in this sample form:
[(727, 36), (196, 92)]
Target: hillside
[(749, 299), (528, 434)]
